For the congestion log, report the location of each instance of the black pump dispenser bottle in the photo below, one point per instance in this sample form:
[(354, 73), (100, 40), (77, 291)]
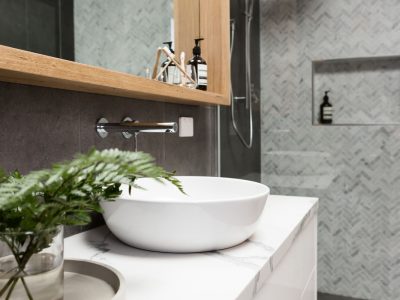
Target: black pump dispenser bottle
[(326, 110), (197, 67)]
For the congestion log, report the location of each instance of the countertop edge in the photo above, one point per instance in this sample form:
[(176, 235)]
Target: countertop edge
[(265, 272)]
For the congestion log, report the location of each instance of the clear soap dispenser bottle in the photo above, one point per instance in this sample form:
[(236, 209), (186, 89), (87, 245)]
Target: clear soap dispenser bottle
[(171, 74), (197, 67)]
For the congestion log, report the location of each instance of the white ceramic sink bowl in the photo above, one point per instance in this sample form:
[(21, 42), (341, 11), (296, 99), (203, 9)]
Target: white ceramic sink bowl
[(216, 213)]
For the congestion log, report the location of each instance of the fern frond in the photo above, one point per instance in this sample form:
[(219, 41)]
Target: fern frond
[(68, 191)]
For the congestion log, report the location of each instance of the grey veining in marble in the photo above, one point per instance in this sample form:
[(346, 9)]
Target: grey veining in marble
[(354, 170)]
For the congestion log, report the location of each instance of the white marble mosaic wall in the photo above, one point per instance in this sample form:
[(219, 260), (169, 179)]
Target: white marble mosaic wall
[(362, 92), (355, 170), (121, 35)]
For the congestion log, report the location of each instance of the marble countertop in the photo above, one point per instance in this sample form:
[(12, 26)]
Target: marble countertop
[(234, 273)]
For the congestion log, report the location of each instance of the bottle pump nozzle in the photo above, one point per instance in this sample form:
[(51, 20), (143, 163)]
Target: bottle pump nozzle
[(169, 46), (326, 95), (197, 49)]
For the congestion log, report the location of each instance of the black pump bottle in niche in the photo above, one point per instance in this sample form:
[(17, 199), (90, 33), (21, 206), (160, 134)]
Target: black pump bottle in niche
[(326, 110)]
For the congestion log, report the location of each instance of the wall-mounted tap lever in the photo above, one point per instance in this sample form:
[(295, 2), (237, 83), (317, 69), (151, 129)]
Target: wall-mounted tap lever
[(128, 126)]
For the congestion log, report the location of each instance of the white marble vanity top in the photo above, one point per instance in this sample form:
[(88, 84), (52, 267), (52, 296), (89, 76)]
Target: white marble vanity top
[(234, 273)]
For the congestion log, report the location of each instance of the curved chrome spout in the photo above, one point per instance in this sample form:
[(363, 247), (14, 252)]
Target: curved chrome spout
[(103, 127)]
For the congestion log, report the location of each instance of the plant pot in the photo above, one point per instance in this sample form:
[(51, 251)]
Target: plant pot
[(31, 264)]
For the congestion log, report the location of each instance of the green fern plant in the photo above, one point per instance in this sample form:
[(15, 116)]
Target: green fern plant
[(66, 194)]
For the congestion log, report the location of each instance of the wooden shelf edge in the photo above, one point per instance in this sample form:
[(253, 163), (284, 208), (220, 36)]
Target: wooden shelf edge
[(24, 67)]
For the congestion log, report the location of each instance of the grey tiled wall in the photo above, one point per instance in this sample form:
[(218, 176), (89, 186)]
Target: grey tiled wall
[(41, 126), (353, 169)]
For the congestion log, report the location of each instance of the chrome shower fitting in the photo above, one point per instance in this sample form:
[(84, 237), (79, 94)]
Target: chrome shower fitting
[(128, 127), (248, 99)]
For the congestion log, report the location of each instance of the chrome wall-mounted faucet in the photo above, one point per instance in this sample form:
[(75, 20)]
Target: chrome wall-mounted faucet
[(128, 127)]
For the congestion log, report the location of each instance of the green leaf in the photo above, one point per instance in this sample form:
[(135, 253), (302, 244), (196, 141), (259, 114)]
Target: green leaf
[(67, 193)]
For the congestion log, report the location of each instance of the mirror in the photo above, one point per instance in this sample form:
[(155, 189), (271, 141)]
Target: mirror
[(118, 35), (47, 27), (122, 37)]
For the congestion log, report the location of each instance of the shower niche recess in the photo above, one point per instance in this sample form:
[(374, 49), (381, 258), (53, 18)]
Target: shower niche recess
[(363, 91)]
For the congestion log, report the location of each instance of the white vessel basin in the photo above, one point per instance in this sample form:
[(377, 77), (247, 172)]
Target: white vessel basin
[(216, 213)]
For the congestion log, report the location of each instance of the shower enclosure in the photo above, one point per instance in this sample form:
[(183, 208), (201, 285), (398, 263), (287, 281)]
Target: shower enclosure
[(299, 49), (239, 125)]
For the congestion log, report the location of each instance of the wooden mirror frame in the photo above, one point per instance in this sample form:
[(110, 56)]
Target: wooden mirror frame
[(19, 66)]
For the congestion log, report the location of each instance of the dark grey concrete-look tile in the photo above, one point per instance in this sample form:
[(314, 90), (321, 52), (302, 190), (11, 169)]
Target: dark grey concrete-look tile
[(92, 108), (114, 109), (39, 127), (42, 126), (191, 155)]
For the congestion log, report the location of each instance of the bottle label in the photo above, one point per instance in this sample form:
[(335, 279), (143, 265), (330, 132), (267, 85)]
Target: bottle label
[(327, 113), (202, 74), (174, 75)]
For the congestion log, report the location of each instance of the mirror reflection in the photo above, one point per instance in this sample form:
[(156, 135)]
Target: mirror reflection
[(119, 35)]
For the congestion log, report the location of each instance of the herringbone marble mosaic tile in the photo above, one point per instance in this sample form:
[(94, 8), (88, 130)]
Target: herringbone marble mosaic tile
[(354, 170), (121, 35), (363, 92)]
